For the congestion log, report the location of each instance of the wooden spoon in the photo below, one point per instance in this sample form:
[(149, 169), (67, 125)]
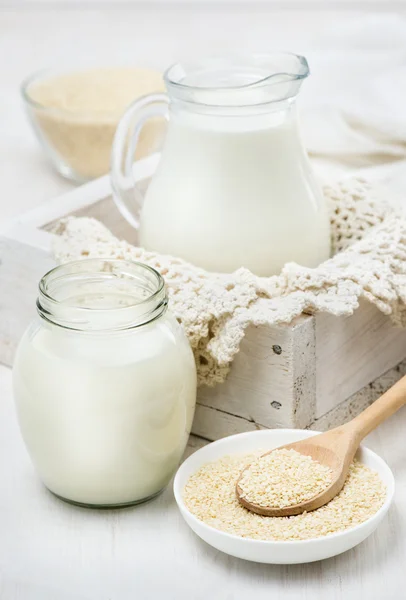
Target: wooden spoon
[(335, 449)]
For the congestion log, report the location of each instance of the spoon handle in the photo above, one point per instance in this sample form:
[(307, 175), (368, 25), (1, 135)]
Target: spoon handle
[(380, 410)]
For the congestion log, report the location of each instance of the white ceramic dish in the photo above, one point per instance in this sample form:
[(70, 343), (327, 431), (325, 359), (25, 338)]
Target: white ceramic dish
[(277, 552)]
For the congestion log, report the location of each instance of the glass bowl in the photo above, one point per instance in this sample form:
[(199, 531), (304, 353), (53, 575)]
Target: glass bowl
[(74, 114)]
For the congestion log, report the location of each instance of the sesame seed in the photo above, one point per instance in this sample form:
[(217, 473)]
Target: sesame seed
[(210, 495), (284, 478)]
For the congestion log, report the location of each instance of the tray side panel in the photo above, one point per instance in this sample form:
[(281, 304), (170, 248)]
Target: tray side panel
[(352, 406), (352, 352), (272, 378), (213, 424)]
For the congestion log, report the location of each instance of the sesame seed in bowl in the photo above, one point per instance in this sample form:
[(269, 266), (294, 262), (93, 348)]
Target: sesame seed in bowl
[(205, 492)]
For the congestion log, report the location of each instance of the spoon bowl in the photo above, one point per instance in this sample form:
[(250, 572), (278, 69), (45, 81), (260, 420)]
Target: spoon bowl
[(334, 450)]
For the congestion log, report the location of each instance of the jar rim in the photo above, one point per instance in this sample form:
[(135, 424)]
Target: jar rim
[(101, 275)]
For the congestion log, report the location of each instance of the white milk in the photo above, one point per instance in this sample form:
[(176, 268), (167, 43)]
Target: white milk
[(105, 415), (235, 191)]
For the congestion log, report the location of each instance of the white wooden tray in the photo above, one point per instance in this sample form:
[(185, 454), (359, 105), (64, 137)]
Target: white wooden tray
[(315, 372)]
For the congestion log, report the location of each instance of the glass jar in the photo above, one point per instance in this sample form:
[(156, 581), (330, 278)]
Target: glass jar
[(104, 383), (234, 186)]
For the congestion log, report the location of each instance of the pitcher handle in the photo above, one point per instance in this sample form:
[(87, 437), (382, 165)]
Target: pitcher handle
[(127, 197)]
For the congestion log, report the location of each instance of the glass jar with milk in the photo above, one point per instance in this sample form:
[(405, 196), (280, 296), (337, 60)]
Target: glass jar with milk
[(104, 383), (234, 186)]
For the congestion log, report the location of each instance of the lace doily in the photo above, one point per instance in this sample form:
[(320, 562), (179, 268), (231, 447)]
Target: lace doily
[(369, 248)]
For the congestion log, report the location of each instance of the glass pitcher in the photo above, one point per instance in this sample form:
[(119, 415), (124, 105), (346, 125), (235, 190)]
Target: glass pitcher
[(234, 186)]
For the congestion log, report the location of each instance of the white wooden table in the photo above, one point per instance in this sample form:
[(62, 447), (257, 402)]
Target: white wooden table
[(50, 550)]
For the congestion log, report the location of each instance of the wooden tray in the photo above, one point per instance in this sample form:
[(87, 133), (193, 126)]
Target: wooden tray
[(315, 372)]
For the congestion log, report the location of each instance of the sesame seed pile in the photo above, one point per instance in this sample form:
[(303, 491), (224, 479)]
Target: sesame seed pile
[(284, 478), (210, 495)]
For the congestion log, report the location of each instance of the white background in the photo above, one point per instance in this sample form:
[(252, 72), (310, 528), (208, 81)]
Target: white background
[(49, 551)]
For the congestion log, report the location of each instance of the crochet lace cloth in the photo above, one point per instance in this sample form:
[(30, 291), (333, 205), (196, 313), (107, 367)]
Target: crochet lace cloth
[(369, 261)]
